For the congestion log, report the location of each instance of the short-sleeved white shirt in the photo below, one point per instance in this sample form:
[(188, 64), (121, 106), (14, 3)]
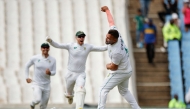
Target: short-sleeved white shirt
[(119, 55)]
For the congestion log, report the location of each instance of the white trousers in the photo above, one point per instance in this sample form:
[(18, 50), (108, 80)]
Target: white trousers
[(73, 78), (121, 81), (40, 96)]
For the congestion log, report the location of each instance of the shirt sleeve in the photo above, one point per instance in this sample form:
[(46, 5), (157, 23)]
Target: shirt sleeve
[(53, 72), (62, 46), (116, 58), (27, 66), (99, 48)]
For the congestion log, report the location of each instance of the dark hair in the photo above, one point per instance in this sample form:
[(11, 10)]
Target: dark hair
[(139, 10), (114, 33), (45, 45)]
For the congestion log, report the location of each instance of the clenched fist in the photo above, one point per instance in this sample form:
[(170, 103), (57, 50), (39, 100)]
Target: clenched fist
[(28, 80), (48, 72), (104, 8)]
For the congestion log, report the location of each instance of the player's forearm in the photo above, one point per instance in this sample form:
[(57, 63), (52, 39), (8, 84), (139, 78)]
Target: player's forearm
[(57, 45), (110, 18)]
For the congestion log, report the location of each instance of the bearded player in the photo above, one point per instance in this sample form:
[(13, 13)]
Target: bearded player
[(120, 67)]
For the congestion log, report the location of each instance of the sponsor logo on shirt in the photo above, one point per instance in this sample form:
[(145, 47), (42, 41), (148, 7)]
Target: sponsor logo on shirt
[(38, 60), (75, 47), (149, 31), (84, 48)]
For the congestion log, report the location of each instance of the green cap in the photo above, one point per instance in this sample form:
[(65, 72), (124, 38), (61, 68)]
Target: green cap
[(80, 33), (45, 45)]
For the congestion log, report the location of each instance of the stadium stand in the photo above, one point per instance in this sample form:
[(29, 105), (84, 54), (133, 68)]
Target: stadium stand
[(2, 36), (185, 60), (53, 30), (3, 92), (175, 69), (153, 83), (26, 31), (39, 24), (27, 94), (185, 46), (57, 92), (12, 34), (14, 94), (79, 17)]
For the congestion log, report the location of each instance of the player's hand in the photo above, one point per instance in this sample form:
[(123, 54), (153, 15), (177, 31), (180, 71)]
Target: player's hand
[(107, 66), (104, 8), (28, 80), (48, 72), (48, 39)]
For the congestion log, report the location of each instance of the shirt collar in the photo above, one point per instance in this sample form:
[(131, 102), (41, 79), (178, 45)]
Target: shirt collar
[(44, 57), (115, 44), (78, 44)]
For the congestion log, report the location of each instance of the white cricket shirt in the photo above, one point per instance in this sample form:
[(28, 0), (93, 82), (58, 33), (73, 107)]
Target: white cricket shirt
[(41, 63), (78, 54), (119, 55)]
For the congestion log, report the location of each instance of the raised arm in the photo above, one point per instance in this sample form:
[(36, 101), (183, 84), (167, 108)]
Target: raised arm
[(57, 45), (99, 48), (109, 16), (28, 65)]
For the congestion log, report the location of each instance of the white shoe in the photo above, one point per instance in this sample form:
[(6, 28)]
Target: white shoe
[(70, 98)]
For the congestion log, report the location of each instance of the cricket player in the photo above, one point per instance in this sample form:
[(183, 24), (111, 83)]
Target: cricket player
[(120, 67), (78, 53), (44, 67)]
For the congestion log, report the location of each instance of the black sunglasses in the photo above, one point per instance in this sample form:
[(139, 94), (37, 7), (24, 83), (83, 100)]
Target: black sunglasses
[(81, 36), (45, 47)]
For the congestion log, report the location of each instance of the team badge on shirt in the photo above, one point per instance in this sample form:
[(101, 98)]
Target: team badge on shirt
[(84, 48), (49, 61), (75, 47), (38, 60)]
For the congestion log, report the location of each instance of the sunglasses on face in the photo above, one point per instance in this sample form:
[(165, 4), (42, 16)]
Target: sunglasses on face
[(81, 36)]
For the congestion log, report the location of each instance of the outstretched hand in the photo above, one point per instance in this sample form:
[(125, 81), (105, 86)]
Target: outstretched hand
[(104, 8), (28, 80), (48, 39)]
